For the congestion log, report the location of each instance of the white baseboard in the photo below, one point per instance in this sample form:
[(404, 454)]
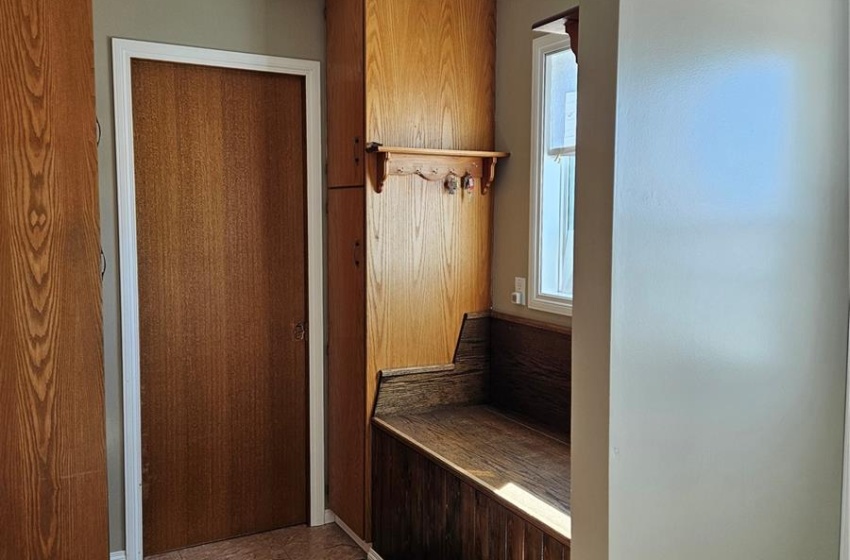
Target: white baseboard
[(331, 517), (120, 555)]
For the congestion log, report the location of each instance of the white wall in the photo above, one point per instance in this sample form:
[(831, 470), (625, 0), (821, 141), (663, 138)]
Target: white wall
[(729, 281), (597, 106), (291, 28)]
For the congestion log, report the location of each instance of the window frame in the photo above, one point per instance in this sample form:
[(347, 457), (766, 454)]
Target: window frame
[(541, 47)]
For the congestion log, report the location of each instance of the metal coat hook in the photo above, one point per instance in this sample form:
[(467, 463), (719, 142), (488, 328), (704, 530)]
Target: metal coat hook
[(469, 184), (452, 183)]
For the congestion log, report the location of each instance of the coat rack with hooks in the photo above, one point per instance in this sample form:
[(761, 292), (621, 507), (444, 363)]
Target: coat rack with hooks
[(453, 167)]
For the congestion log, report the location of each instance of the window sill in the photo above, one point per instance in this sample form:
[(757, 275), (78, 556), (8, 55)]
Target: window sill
[(552, 305)]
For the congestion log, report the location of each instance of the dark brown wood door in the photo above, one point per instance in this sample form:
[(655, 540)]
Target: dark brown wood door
[(220, 195), (52, 428)]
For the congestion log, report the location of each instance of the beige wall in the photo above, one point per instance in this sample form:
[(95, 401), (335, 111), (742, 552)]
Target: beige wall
[(513, 134), (291, 28)]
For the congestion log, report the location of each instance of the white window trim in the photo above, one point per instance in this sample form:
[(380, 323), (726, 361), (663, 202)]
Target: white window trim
[(542, 46)]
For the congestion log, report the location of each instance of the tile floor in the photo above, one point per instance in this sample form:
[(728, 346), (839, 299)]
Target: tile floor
[(295, 543)]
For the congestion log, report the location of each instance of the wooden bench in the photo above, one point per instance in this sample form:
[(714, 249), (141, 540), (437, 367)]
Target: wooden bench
[(456, 477)]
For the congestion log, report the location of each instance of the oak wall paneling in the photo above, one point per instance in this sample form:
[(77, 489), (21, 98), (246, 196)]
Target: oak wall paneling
[(419, 75), (52, 429)]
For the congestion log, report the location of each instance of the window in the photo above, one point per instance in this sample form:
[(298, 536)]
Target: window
[(553, 143)]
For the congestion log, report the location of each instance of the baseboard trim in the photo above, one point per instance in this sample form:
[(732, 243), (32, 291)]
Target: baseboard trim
[(331, 517), (372, 555), (352, 535), (119, 555)]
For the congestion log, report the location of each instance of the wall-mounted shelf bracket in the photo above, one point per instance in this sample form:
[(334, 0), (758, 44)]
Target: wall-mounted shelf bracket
[(435, 165)]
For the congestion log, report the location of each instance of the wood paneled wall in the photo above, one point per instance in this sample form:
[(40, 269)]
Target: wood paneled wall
[(346, 356), (52, 432), (346, 92), (463, 382), (423, 512), (419, 75), (530, 372), (430, 73), (430, 82), (429, 264)]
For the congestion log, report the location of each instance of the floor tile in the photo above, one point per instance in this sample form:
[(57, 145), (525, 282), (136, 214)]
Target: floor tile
[(328, 542), (166, 556), (254, 547)]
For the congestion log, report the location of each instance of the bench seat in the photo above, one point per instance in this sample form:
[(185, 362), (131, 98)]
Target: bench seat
[(526, 470)]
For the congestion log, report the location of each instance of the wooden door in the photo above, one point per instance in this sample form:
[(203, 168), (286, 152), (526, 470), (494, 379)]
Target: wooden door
[(52, 428), (220, 195)]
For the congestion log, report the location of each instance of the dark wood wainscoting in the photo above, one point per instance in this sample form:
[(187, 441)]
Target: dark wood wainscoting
[(530, 372), (423, 511)]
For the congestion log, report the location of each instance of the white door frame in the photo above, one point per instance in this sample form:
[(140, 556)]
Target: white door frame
[(844, 553), (123, 52)]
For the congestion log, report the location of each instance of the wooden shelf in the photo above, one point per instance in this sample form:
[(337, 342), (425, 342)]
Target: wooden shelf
[(455, 168)]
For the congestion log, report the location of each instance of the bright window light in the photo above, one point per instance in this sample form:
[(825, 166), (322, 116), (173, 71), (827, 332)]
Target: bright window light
[(555, 81)]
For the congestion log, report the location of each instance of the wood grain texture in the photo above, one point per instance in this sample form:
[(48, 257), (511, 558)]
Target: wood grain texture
[(525, 470), (346, 92), (462, 383), (52, 441), (554, 550), (426, 89), (222, 284), (533, 543), (430, 73), (346, 355), (427, 254), (530, 373), (428, 264), (435, 152), (424, 510)]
